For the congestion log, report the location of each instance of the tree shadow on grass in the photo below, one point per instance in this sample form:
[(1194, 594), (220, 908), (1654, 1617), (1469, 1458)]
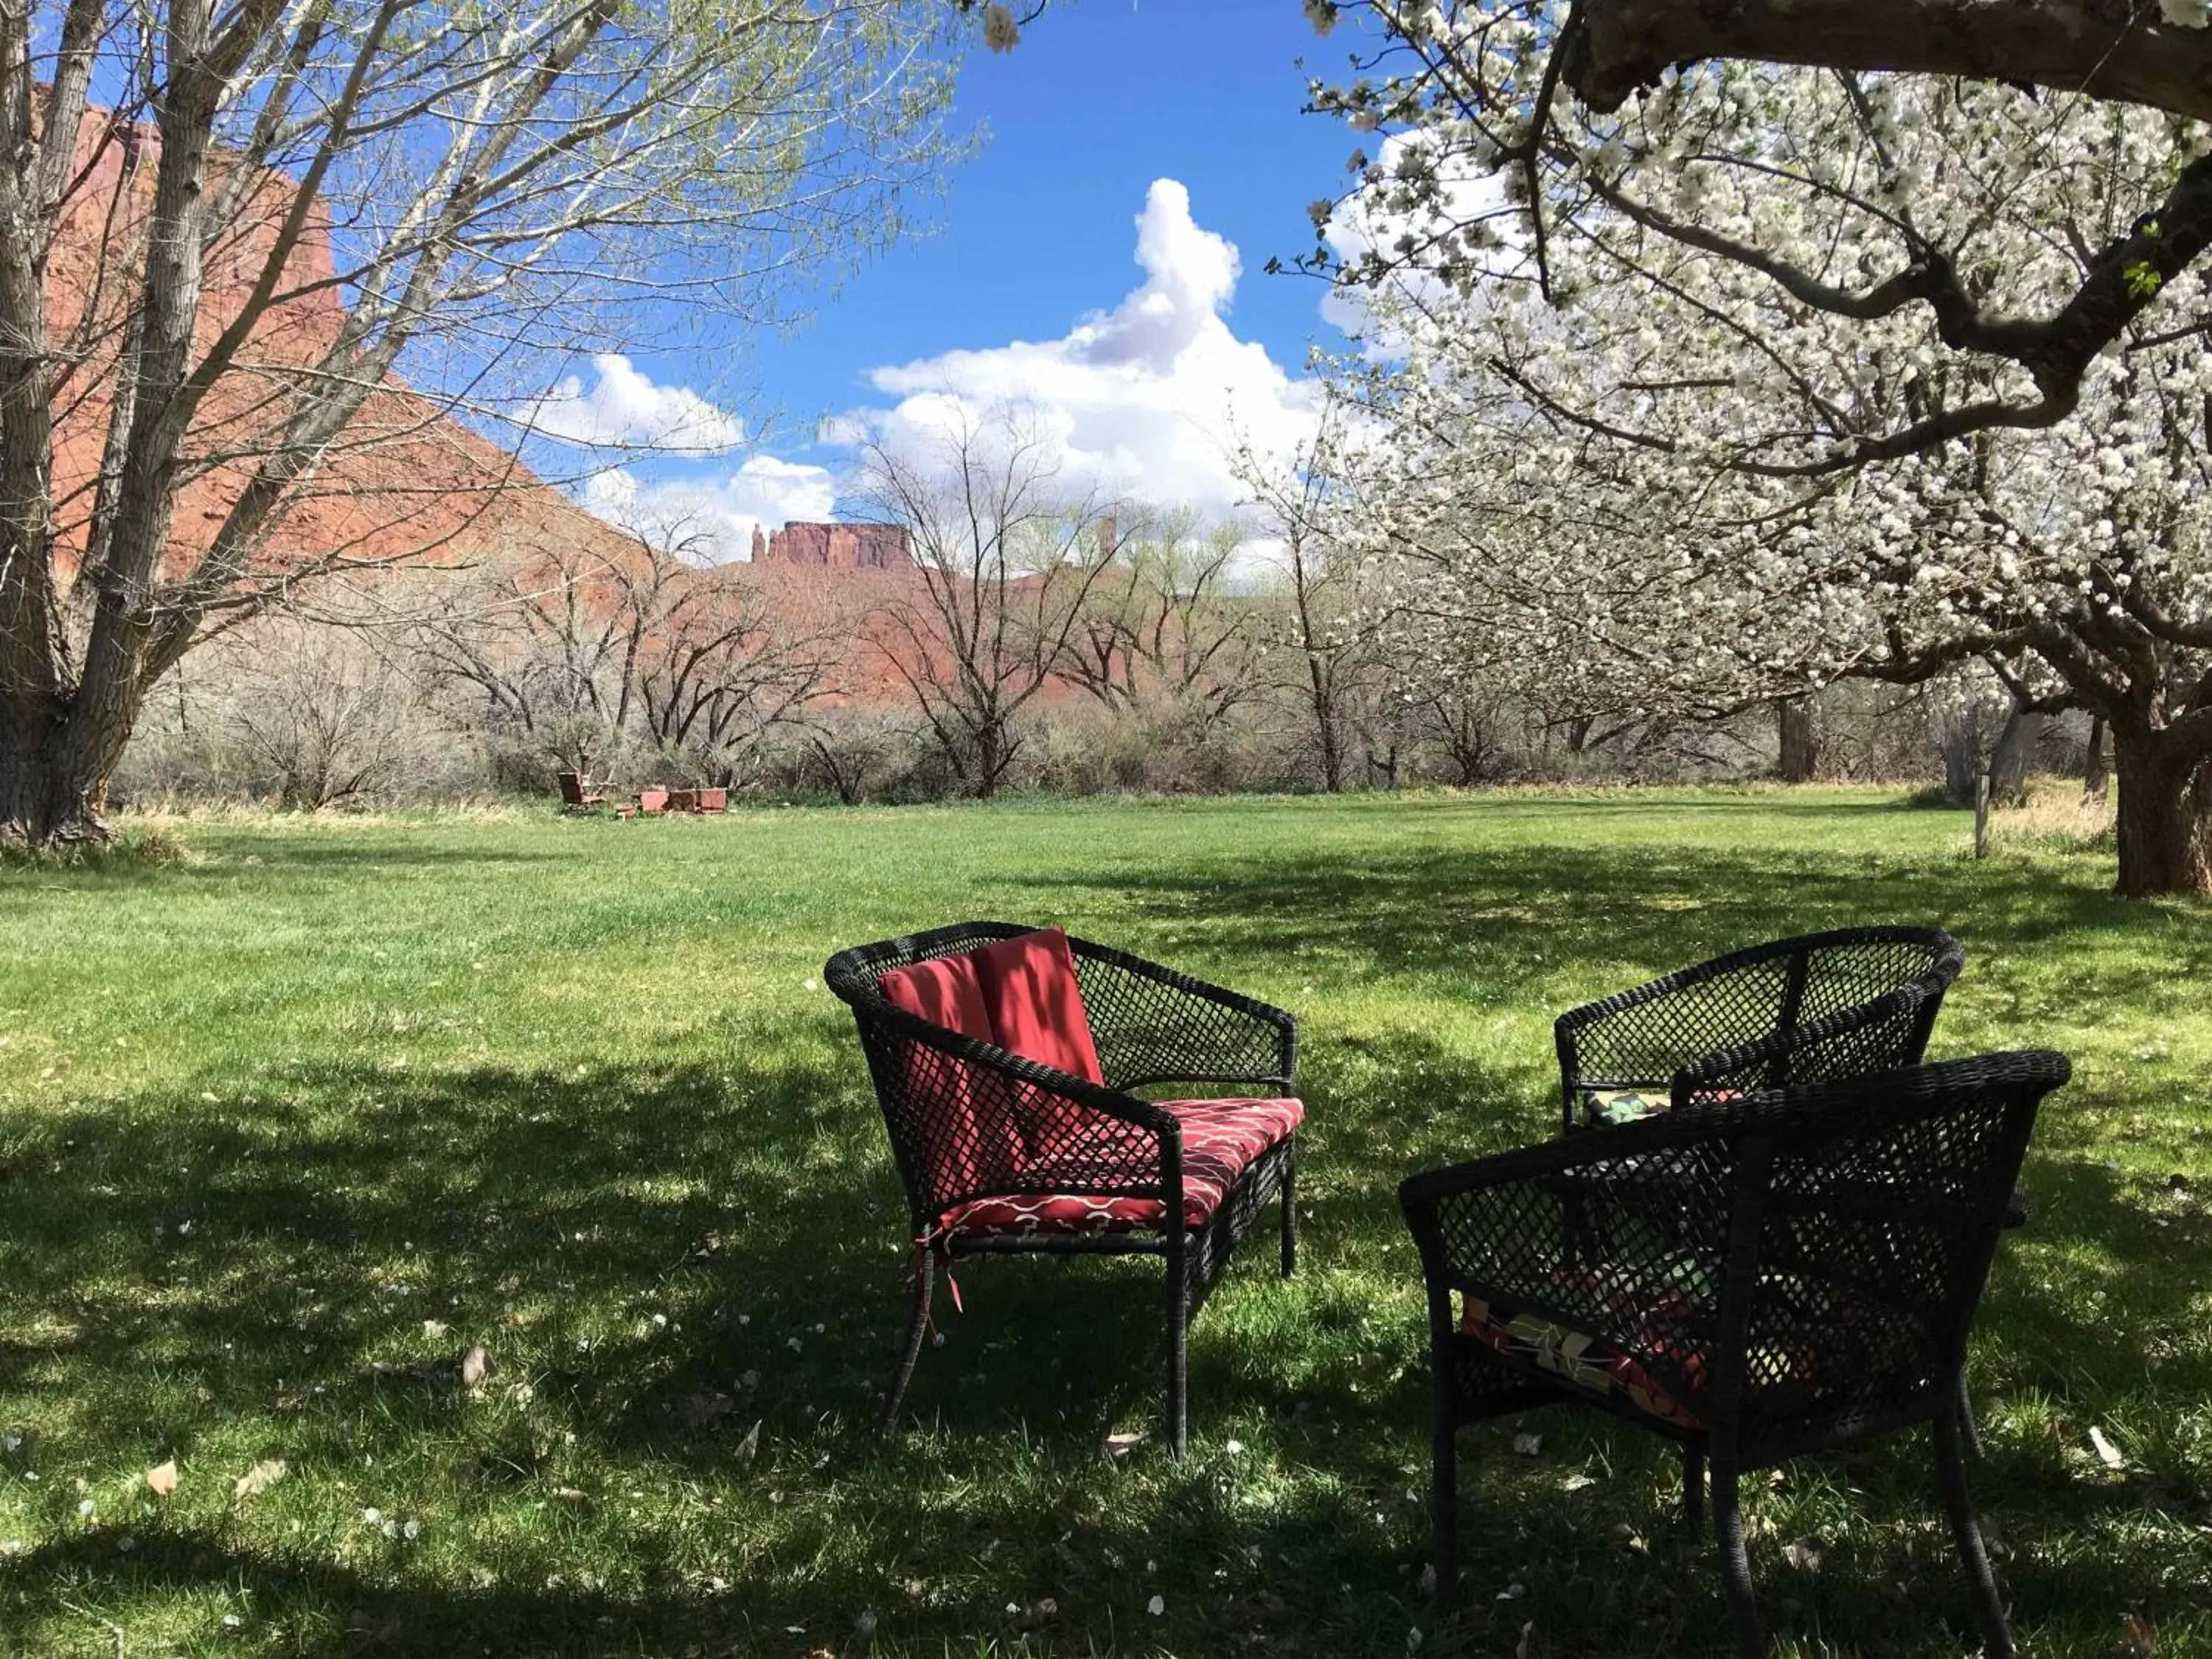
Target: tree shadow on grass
[(1503, 925)]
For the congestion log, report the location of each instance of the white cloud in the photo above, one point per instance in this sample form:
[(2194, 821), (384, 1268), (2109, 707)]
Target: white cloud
[(714, 518), (1149, 398), (626, 409)]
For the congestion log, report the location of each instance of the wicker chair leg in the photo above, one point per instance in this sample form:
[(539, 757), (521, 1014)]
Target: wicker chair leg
[(1694, 1488), (925, 1274), (1289, 1191), (1968, 1427), (1966, 1529), (1443, 1500), (1735, 1564), (1178, 1326)]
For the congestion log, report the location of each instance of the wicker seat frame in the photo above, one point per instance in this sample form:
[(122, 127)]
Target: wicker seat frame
[(1841, 1235), (1792, 1011), (1151, 1026)]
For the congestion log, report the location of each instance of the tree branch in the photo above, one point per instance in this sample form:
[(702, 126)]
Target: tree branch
[(2116, 49)]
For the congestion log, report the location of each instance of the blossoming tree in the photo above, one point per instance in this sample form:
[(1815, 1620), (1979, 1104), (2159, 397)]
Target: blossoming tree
[(1773, 376)]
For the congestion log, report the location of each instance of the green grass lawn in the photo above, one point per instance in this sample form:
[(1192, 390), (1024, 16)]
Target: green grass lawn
[(289, 1126)]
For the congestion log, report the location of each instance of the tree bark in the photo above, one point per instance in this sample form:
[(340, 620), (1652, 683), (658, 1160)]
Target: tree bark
[(1800, 760), (46, 795), (2165, 816), (2094, 776), (2116, 49), (2017, 742)]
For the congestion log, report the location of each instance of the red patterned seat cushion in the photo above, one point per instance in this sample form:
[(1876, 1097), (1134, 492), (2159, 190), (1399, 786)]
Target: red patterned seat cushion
[(1221, 1139), (1662, 1340)]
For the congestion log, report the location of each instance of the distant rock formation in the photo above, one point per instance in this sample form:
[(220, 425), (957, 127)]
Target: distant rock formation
[(836, 546)]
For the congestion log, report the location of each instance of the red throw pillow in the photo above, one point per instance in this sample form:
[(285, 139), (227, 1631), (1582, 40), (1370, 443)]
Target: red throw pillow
[(947, 991), (1036, 1008), (972, 1140)]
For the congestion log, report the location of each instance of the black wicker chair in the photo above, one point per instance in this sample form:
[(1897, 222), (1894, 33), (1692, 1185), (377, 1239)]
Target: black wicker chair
[(1002, 1155), (1807, 1010), (1816, 1288)]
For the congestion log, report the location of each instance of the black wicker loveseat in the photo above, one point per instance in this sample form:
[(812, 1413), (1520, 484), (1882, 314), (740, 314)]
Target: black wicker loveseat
[(1804, 1010), (1814, 1286), (1005, 1060)]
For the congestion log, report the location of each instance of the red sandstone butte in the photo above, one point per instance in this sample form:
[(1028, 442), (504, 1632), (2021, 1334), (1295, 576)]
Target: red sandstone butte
[(836, 546)]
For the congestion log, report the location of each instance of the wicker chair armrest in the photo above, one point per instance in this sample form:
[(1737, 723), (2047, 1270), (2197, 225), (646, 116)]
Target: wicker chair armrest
[(1508, 1225), (1215, 1039), (1035, 1078)]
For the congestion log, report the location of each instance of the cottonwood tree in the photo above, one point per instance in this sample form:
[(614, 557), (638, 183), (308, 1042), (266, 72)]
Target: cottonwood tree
[(1329, 654), (591, 658), (1007, 557), (1786, 375), (1164, 635), (225, 230), (726, 656), (541, 651)]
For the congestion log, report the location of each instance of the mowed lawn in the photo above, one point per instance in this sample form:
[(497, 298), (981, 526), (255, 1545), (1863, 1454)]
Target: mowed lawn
[(290, 1126)]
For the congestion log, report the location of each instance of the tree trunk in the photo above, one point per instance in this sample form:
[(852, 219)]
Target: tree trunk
[(51, 785), (2116, 52), (2009, 761), (2164, 817), (1799, 759)]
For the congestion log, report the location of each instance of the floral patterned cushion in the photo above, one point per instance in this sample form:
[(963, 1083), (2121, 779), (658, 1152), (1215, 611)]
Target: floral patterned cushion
[(1656, 1354), (1611, 1106), (1607, 1106), (1221, 1139), (1589, 1362)]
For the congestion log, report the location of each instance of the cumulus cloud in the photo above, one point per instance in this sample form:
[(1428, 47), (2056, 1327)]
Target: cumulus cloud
[(1150, 399), (712, 518), (625, 408)]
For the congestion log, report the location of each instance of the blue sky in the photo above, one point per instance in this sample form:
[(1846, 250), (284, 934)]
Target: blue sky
[(1103, 99)]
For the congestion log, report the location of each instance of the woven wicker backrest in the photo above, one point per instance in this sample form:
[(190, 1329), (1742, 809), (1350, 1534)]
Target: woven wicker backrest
[(1871, 1213), (1805, 1010), (1146, 1028)]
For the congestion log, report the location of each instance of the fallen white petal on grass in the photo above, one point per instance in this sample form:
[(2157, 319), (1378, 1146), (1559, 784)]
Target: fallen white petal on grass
[(1157, 1606), (161, 1479), (258, 1478), (2107, 1453), (1529, 1445)]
